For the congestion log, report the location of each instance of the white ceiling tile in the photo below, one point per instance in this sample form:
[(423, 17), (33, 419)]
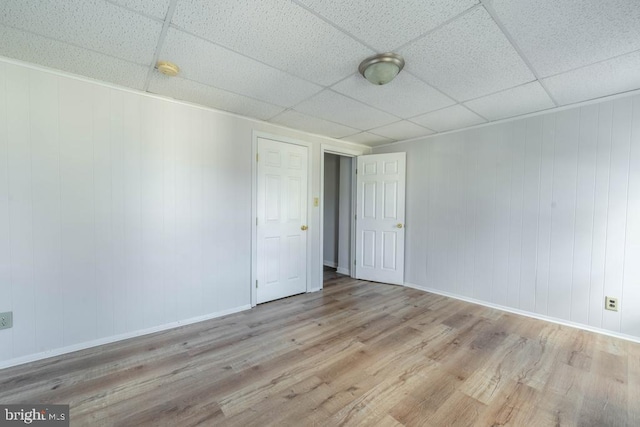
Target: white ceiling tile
[(402, 130), (62, 56), (216, 66), (296, 120), (260, 58), (617, 75), (93, 24), (468, 58), (155, 8), (456, 117), (279, 33), (519, 100), (338, 108), (557, 36), (385, 25), (187, 90), (406, 96), (367, 139)]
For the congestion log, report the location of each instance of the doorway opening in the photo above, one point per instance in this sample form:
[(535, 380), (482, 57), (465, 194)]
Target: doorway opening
[(337, 216)]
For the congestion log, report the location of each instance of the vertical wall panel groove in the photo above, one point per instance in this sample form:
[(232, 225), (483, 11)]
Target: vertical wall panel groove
[(103, 205), (601, 191), (20, 211), (30, 147), (458, 219), (620, 143), (545, 219), (514, 276), (563, 213), (575, 210), (531, 213), (6, 303), (630, 315), (468, 209), (45, 142), (78, 216), (626, 210), (502, 213), (118, 226), (197, 208), (585, 211)]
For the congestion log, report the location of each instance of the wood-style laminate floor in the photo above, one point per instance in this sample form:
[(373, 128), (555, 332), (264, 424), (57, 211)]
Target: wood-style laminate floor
[(357, 353)]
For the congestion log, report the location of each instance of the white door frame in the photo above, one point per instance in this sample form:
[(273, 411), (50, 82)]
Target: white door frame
[(345, 152), (254, 206)]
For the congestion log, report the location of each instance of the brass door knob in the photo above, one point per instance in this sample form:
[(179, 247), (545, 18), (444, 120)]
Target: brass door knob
[(399, 226), (304, 228)]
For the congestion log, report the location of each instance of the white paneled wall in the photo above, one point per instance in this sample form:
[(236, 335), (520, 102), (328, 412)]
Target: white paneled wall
[(121, 213), (540, 214), (118, 212)]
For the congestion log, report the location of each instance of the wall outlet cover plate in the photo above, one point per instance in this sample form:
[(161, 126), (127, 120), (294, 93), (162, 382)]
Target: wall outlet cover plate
[(611, 303), (6, 320)]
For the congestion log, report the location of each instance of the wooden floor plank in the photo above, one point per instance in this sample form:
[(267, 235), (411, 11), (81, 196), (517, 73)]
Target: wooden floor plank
[(356, 353)]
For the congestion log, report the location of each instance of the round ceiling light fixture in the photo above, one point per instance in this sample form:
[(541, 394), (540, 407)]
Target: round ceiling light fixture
[(381, 68), (168, 68)]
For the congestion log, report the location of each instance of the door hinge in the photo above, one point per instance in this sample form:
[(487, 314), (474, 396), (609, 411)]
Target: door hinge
[(356, 171), (256, 220), (355, 216), (354, 262), (257, 157), (256, 284)]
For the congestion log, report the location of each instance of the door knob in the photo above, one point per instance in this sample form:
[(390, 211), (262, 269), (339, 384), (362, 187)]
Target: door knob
[(399, 226), (304, 228)]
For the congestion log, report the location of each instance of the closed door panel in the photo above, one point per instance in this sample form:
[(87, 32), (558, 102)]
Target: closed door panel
[(282, 220), (380, 230)]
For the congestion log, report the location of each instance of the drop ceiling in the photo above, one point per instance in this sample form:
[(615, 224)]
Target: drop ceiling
[(294, 62)]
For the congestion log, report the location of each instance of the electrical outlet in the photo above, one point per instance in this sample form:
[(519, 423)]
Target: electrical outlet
[(611, 303), (6, 320)]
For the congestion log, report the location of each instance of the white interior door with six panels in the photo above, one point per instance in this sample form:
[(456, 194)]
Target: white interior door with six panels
[(380, 197), (282, 220)]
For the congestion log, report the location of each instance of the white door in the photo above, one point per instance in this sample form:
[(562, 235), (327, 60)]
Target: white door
[(380, 181), (282, 220)]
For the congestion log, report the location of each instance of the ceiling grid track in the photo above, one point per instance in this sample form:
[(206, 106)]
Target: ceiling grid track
[(163, 35), (333, 24), (438, 27), (489, 8)]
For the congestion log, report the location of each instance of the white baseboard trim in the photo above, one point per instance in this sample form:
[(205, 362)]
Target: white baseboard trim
[(315, 290), (526, 313), (108, 340), (342, 270), (331, 264)]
